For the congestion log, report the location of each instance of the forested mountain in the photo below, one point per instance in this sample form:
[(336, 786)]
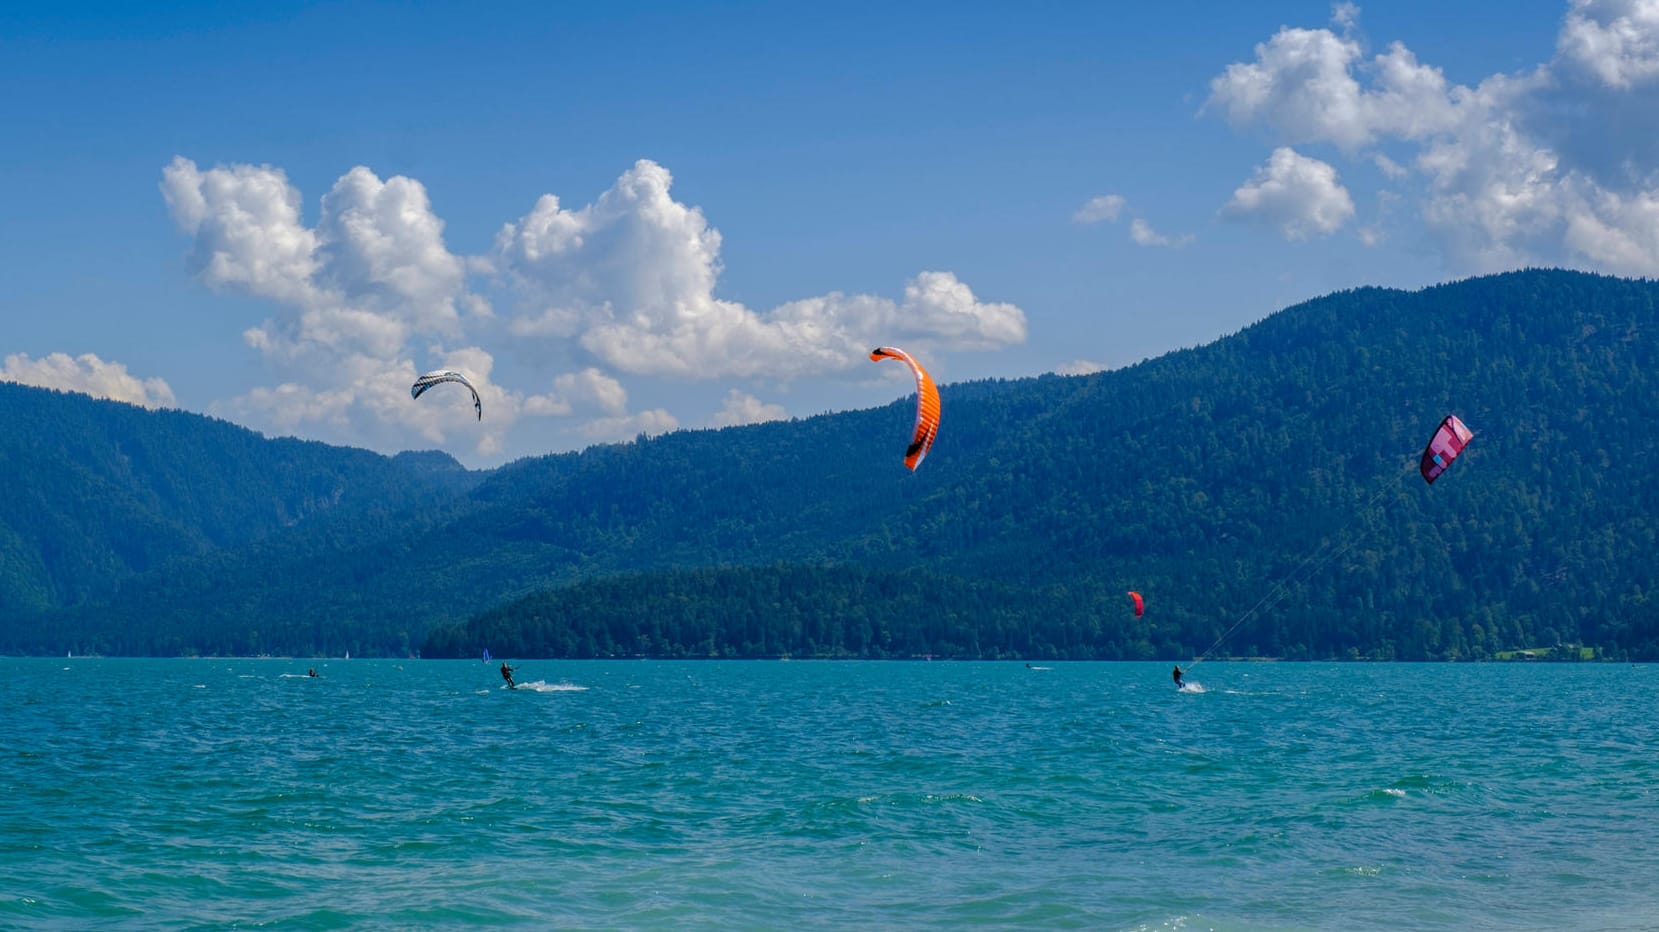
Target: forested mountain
[(97, 492), (1274, 468)]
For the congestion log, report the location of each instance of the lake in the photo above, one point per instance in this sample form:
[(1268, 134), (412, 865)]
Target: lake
[(640, 794)]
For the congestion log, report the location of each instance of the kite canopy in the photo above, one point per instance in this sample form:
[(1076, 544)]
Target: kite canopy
[(446, 375), (1444, 447), (1140, 604), (927, 405)]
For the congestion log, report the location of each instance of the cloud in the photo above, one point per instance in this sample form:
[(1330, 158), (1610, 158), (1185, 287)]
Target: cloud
[(546, 406), (1081, 367), (592, 389), (1553, 165), (351, 296), (1617, 232), (1614, 41), (1295, 194), (1142, 233), (1374, 233), (1390, 168), (743, 408), (245, 222), (362, 400), (649, 423), (384, 247), (631, 279), (938, 306), (626, 283), (1105, 207), (88, 375), (1109, 207), (373, 273), (601, 402), (1345, 16), (1303, 85), (1495, 196)]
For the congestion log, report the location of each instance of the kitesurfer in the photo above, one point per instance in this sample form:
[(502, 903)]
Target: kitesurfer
[(313, 672), (507, 674), (1177, 676)]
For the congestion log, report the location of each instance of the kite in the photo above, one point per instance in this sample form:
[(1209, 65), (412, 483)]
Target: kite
[(446, 375), (927, 405), (1444, 447)]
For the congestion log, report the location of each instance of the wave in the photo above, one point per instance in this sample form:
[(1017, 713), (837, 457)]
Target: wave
[(542, 686)]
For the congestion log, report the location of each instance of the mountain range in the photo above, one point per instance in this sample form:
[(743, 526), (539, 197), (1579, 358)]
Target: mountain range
[(1261, 492)]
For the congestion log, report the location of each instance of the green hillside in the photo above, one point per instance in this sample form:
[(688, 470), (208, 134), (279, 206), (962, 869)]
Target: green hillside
[(98, 492), (1205, 479)]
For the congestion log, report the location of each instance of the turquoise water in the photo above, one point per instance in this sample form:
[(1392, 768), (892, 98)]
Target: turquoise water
[(637, 794)]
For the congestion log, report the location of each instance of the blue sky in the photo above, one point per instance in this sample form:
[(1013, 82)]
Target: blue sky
[(633, 217)]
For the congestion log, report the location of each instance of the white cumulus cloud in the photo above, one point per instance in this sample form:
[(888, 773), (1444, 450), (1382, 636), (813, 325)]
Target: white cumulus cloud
[(631, 278), (1619, 233), (1553, 165), (371, 294), (245, 223), (613, 429), (351, 295), (599, 403), (1616, 41), (88, 375), (362, 400), (1296, 195), (384, 247), (1303, 84), (592, 389), (743, 408), (373, 273)]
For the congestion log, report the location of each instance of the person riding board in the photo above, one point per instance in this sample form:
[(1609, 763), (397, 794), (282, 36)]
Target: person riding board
[(507, 674), (1177, 674)]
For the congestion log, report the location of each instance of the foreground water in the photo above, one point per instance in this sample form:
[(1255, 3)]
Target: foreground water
[(384, 794)]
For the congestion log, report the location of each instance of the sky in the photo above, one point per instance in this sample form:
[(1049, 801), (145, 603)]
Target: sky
[(628, 218)]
